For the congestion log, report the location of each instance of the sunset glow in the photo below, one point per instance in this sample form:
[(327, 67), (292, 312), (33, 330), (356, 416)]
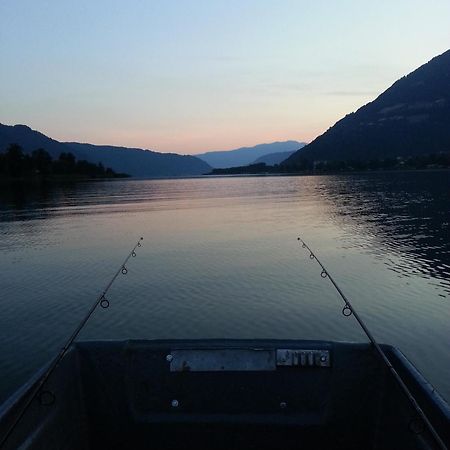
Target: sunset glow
[(194, 76)]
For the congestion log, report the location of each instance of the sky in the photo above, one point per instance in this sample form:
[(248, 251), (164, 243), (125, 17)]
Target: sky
[(191, 76)]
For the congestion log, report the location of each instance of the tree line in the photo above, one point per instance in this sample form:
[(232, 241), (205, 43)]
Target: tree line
[(303, 165), (420, 162), (14, 163)]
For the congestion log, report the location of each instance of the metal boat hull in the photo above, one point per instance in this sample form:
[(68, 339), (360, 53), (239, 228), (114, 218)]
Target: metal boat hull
[(225, 394)]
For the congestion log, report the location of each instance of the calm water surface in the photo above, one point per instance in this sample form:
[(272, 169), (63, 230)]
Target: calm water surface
[(221, 260)]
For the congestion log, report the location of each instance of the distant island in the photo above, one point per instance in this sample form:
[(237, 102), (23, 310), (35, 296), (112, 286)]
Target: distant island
[(39, 165)]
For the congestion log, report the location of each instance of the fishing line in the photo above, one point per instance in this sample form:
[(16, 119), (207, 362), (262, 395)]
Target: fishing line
[(347, 311), (47, 397)]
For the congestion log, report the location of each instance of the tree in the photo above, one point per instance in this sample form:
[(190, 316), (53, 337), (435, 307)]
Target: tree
[(66, 163), (14, 159), (42, 161)]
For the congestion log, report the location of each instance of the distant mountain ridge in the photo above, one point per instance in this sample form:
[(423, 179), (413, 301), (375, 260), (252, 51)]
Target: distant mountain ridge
[(273, 158), (410, 118), (247, 155), (133, 161)]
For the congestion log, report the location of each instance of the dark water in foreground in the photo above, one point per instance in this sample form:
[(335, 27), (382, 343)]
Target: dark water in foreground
[(221, 259)]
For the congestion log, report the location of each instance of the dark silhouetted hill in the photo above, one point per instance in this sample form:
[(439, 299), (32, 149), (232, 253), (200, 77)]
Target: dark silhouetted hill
[(410, 118), (133, 161), (246, 155), (30, 140), (142, 163)]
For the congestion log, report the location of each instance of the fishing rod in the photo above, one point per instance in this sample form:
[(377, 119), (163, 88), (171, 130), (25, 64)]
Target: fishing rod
[(47, 397), (347, 311)]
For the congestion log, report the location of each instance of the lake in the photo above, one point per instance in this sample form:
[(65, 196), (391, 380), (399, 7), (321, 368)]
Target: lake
[(220, 259)]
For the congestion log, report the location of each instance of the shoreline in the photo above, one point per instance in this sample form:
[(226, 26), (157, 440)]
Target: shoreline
[(344, 172), (56, 179)]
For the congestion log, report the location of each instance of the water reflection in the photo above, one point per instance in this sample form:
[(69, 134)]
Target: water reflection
[(403, 213)]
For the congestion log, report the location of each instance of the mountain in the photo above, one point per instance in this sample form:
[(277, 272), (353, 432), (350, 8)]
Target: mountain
[(410, 118), (141, 163), (31, 140), (133, 161), (246, 155), (273, 158)]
